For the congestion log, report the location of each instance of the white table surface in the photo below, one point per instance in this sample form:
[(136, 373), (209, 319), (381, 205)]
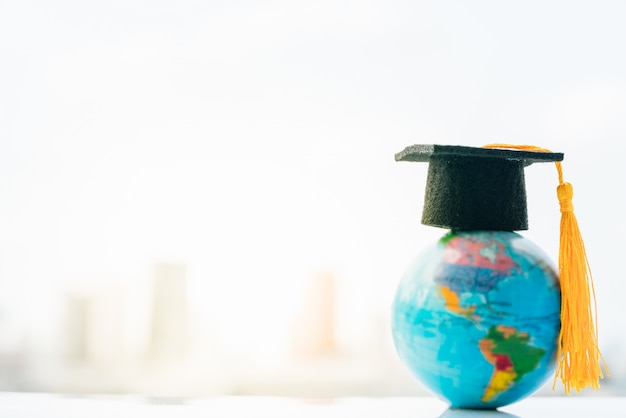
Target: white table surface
[(28, 405)]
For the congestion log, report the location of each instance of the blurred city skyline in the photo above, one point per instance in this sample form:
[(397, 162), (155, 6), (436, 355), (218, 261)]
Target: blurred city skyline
[(175, 351)]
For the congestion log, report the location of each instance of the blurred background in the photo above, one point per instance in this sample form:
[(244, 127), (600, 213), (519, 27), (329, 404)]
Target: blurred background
[(200, 198)]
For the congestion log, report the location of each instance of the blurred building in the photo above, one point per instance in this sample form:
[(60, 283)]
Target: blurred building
[(170, 323), (314, 332), (95, 321)]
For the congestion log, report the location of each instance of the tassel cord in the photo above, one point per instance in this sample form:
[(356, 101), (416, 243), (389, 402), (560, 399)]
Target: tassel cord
[(579, 361)]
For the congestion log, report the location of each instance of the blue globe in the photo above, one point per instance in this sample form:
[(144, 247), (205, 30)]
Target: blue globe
[(476, 318)]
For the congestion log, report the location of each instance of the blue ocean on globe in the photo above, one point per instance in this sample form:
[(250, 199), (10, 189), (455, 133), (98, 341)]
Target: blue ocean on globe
[(476, 318)]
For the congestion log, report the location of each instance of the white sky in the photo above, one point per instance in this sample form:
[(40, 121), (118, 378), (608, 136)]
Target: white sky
[(254, 141)]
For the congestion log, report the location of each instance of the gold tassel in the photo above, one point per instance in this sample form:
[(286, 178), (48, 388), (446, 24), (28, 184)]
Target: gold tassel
[(579, 359)]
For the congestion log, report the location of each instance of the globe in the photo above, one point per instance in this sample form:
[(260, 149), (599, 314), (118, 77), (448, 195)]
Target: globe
[(476, 318)]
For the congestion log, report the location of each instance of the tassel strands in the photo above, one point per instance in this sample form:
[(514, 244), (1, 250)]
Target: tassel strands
[(580, 357), (579, 361)]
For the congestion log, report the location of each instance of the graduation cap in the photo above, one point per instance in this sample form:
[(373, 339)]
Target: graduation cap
[(474, 189)]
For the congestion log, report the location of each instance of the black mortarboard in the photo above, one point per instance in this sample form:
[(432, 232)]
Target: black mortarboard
[(475, 188)]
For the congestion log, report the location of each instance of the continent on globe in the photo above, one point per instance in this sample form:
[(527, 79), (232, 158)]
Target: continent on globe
[(471, 264), (473, 251), (509, 351), (453, 304)]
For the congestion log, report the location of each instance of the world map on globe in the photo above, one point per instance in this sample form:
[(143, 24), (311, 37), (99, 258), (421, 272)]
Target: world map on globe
[(476, 318)]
